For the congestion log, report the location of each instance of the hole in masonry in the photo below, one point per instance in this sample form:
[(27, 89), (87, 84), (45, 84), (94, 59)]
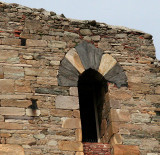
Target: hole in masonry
[(157, 113), (23, 42), (34, 104)]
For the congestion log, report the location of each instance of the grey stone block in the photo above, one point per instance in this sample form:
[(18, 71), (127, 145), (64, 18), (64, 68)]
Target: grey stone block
[(90, 55)]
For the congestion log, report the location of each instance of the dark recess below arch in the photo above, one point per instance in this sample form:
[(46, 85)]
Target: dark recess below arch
[(92, 87)]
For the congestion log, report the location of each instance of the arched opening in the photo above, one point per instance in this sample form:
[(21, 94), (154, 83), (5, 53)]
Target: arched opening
[(92, 87)]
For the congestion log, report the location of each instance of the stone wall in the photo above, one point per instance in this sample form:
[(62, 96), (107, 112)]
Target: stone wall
[(43, 117)]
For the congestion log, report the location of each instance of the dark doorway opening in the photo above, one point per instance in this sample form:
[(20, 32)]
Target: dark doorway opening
[(91, 88)]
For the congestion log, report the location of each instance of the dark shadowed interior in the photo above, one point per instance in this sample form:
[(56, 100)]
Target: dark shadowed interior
[(91, 87)]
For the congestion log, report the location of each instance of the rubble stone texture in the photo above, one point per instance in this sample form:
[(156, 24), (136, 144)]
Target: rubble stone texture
[(41, 57)]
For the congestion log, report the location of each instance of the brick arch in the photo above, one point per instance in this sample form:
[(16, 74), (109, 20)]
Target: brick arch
[(85, 56)]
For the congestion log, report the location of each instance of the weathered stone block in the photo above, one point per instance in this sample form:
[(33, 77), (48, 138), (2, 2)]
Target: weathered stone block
[(73, 91), (1, 118), (47, 80), (118, 115), (8, 149), (1, 73), (6, 86), (95, 38), (38, 43), (40, 72), (67, 102), (11, 41), (61, 113), (11, 126), (157, 90), (12, 111), (52, 143), (116, 139), (153, 98), (104, 45), (71, 123), (16, 103), (39, 136), (33, 24), (30, 112), (126, 150), (12, 97), (78, 135), (79, 153), (70, 146), (85, 32), (9, 56), (57, 44), (5, 135), (13, 72), (140, 118), (53, 90)]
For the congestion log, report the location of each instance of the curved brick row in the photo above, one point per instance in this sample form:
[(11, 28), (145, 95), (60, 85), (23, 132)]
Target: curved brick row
[(86, 56)]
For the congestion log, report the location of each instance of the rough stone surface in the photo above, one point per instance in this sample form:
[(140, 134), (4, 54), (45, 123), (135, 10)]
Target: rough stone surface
[(70, 146), (7, 86), (126, 150), (34, 72), (71, 123), (67, 102), (7, 149), (12, 111), (73, 91)]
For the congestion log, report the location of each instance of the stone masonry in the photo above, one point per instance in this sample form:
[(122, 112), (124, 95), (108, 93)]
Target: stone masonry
[(38, 116)]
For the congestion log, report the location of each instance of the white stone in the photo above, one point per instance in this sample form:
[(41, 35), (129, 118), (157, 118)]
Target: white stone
[(74, 59), (30, 112), (52, 143), (106, 64), (67, 102)]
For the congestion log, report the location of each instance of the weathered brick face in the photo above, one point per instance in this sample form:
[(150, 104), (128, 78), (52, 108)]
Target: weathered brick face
[(29, 72)]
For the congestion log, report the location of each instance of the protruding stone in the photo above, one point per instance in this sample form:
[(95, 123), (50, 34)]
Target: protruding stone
[(73, 57), (30, 112), (70, 146), (107, 63), (10, 149), (67, 102), (71, 123)]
